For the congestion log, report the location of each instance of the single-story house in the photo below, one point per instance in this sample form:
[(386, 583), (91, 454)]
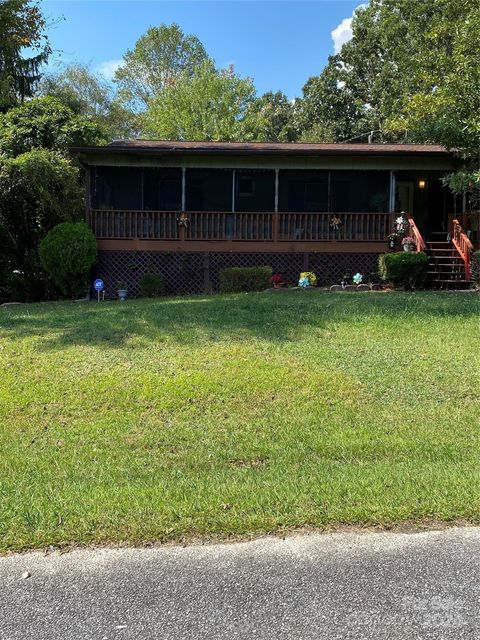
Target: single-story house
[(189, 209)]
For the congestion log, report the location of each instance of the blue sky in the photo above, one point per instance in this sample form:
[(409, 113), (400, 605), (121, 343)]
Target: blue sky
[(279, 43)]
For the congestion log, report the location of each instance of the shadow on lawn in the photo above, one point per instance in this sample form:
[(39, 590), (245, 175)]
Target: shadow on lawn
[(197, 319)]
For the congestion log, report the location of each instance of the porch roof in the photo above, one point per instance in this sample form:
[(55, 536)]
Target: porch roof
[(172, 148)]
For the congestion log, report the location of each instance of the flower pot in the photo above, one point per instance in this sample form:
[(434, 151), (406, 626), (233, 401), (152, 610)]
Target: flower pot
[(122, 294), (278, 285), (408, 247), (391, 244)]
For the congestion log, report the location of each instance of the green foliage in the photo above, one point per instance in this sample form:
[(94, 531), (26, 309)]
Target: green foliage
[(404, 268), (67, 253), (159, 58), (476, 267), (38, 189), (22, 27), (152, 285), (238, 279), (45, 123), (270, 118), (210, 104), (88, 94)]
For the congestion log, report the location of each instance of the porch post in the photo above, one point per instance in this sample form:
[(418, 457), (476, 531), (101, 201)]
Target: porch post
[(276, 190), (391, 207), (233, 190), (184, 182)]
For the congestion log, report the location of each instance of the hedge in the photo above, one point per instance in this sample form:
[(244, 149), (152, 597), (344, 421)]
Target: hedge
[(152, 285), (404, 268), (237, 279)]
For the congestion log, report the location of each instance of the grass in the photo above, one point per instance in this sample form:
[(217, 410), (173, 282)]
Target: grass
[(157, 419)]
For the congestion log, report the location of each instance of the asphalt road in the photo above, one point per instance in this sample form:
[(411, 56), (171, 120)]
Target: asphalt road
[(335, 586)]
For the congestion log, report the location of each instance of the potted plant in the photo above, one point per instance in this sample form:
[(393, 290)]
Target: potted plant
[(392, 240), (277, 280), (122, 291), (408, 243)]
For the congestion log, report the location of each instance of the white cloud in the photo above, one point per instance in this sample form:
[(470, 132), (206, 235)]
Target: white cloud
[(108, 68), (343, 32)]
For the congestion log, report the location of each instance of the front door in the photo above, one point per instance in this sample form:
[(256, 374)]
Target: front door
[(404, 197)]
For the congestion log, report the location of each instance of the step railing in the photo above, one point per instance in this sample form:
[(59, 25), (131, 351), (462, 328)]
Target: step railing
[(414, 232), (462, 244)]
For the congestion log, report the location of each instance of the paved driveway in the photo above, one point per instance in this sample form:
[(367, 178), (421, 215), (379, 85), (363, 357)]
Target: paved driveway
[(336, 586)]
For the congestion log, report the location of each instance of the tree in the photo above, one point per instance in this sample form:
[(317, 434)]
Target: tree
[(388, 61), (211, 104), (159, 58), (22, 27), (38, 189), (88, 94), (270, 118), (44, 123)]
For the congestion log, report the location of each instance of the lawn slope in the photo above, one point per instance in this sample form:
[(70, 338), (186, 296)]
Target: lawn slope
[(155, 419)]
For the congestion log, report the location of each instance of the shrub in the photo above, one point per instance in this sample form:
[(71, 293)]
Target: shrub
[(237, 279), (67, 253), (404, 269), (152, 285), (312, 278), (476, 267)]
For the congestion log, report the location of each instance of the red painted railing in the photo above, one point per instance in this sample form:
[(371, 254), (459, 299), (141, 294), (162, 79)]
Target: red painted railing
[(241, 226), (463, 245), (414, 232)]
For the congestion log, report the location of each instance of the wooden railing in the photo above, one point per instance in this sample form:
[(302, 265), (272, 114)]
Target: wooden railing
[(240, 226), (463, 245), (414, 232)]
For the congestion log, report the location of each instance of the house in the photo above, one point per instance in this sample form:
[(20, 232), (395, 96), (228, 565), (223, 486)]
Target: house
[(190, 209)]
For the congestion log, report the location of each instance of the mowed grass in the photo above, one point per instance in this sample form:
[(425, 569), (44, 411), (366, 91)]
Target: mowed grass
[(160, 419)]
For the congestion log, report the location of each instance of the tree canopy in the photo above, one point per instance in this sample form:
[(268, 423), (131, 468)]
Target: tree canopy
[(159, 58), (210, 104), (22, 27)]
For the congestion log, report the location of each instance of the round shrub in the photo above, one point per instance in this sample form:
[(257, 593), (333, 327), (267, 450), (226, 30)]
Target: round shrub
[(152, 285), (67, 253), (404, 268)]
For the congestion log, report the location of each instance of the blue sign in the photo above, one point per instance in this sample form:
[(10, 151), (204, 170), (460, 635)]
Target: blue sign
[(98, 285)]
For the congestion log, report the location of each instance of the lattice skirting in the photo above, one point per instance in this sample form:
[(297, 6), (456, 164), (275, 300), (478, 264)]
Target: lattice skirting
[(199, 272)]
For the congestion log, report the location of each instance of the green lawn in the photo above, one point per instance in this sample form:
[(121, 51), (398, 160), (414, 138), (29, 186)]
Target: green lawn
[(153, 420)]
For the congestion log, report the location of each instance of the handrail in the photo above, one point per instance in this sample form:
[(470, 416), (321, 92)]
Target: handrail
[(416, 235), (463, 245)]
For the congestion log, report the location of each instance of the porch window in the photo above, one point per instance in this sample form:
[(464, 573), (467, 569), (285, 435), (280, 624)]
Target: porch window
[(116, 188), (209, 190), (360, 191), (254, 190), (162, 189), (303, 190)]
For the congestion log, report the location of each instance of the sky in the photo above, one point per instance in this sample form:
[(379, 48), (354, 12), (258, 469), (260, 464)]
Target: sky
[(278, 43)]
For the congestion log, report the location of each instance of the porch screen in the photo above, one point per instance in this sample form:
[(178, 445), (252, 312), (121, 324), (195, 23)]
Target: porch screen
[(359, 191), (162, 189), (116, 188), (303, 190), (208, 190), (254, 190)]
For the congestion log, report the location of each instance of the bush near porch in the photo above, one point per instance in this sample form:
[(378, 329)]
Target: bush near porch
[(165, 419)]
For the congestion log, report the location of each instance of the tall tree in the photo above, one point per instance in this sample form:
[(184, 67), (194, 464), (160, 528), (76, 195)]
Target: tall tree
[(22, 27), (388, 60), (270, 118), (159, 58), (211, 104), (89, 94)]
